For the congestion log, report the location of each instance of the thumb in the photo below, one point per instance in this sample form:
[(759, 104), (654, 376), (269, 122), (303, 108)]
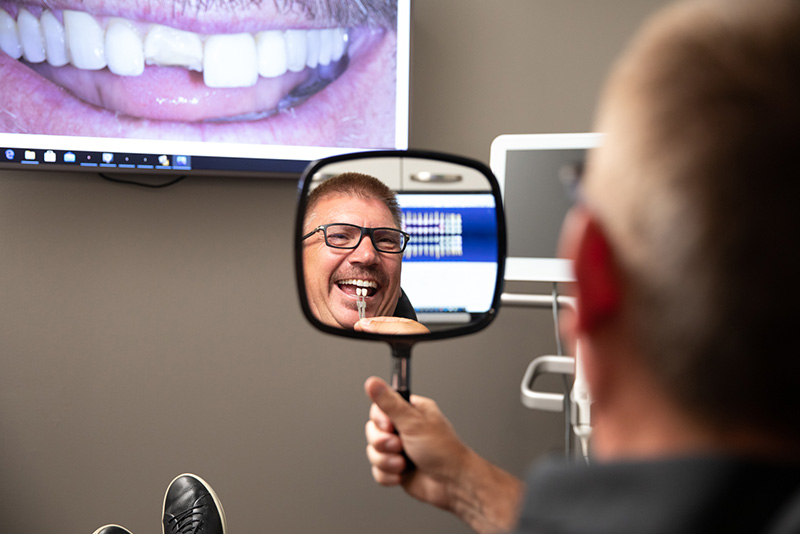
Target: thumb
[(390, 402)]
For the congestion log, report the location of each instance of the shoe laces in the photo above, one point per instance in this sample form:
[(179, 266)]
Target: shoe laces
[(188, 521)]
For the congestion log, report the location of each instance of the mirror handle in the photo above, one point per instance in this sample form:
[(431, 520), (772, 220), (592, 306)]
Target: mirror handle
[(401, 370), (401, 382)]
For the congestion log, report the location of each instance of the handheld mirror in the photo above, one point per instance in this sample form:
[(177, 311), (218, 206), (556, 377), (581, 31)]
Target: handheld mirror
[(399, 246)]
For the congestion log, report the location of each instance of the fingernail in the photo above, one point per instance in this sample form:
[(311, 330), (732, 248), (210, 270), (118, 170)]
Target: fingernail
[(379, 389)]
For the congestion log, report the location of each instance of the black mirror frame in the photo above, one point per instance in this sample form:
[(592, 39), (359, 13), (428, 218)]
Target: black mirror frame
[(483, 322)]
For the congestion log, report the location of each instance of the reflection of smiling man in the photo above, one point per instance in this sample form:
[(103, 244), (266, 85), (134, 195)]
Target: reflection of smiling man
[(353, 244)]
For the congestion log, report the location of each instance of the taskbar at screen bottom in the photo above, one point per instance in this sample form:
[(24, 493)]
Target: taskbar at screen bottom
[(51, 159)]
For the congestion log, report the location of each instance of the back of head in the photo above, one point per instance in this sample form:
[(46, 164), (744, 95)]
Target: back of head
[(355, 184), (698, 191)]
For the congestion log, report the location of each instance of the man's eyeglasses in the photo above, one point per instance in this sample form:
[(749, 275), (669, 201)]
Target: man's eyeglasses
[(349, 236)]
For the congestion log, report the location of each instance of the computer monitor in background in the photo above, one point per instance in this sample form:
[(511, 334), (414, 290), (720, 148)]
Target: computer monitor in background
[(452, 254), (535, 199)]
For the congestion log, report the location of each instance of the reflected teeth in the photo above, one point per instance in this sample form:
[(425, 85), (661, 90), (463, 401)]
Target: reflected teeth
[(125, 47), (360, 283)]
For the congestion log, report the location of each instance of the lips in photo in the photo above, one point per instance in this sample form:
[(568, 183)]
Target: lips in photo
[(225, 71)]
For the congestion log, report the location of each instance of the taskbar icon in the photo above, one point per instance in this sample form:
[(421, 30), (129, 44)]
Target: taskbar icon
[(105, 160)]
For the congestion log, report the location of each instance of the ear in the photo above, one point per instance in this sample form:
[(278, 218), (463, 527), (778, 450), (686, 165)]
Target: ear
[(598, 285)]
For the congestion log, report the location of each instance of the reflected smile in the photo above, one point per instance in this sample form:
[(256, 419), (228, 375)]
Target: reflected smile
[(350, 286)]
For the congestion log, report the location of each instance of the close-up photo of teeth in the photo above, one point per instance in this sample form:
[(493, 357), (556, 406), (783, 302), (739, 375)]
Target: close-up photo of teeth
[(235, 73), (126, 47)]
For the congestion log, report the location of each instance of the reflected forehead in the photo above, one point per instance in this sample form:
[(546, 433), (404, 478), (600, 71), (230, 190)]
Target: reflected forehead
[(340, 208)]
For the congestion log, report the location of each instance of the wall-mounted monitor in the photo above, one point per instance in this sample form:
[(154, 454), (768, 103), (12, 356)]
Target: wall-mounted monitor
[(528, 168), (257, 88)]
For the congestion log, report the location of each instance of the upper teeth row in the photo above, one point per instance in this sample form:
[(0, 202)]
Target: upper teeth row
[(226, 60), (360, 283)]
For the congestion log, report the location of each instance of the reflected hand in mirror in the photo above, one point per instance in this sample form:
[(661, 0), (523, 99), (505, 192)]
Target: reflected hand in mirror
[(399, 243), (391, 325)]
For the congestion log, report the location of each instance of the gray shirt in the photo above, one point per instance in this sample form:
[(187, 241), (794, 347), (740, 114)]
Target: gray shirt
[(683, 495)]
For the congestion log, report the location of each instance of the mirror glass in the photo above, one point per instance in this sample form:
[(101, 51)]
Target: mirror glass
[(412, 241)]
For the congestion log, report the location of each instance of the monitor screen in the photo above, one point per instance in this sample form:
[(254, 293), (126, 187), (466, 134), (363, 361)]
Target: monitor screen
[(535, 199), (257, 88), (453, 245)]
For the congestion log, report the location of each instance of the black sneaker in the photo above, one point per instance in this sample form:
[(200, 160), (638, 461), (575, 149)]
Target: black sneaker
[(112, 529), (192, 507)]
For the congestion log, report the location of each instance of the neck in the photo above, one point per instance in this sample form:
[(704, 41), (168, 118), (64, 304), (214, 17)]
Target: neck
[(636, 419)]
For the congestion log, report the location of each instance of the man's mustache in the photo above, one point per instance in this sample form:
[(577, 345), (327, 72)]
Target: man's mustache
[(348, 13), (343, 13)]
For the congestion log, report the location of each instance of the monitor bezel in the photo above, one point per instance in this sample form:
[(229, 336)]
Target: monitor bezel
[(536, 269), (229, 159)]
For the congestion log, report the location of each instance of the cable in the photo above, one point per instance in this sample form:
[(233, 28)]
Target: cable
[(141, 184), (559, 348), (567, 400)]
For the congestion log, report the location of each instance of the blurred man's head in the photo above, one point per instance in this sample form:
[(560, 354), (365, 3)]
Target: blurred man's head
[(334, 276), (696, 190)]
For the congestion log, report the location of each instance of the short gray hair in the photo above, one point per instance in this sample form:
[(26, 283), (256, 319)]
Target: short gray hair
[(359, 185), (703, 212)]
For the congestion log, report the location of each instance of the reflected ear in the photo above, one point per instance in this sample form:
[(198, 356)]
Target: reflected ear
[(596, 274)]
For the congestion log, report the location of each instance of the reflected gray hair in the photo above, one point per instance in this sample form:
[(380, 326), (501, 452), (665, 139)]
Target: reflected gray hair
[(358, 185)]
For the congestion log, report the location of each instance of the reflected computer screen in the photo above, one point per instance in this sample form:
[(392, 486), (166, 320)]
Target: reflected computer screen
[(450, 263)]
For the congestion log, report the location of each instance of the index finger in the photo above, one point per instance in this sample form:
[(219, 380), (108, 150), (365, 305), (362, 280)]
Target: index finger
[(391, 325)]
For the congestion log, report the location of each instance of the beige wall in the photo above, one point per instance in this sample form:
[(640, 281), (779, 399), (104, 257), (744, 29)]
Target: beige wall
[(145, 333)]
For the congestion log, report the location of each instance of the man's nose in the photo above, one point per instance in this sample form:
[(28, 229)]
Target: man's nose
[(365, 252)]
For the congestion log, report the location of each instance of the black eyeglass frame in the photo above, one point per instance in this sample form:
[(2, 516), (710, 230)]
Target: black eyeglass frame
[(364, 231)]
